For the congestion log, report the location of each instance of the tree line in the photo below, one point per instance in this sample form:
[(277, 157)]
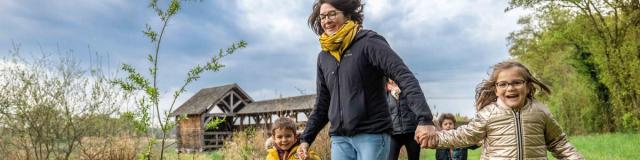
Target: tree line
[(588, 51)]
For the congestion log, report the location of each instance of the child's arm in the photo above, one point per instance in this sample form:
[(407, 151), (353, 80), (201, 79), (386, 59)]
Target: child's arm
[(556, 140), (466, 135)]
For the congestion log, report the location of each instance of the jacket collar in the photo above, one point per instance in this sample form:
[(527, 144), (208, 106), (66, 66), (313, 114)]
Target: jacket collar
[(273, 151)]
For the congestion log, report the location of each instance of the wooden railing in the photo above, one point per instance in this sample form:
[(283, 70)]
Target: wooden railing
[(215, 139)]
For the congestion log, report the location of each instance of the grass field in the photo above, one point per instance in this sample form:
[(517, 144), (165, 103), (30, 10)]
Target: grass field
[(598, 146), (616, 146)]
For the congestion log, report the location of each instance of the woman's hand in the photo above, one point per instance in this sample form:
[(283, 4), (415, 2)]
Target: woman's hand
[(426, 136), (303, 150)]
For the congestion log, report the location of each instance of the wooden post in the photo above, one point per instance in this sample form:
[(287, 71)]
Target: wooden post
[(241, 123), (266, 122), (257, 119)]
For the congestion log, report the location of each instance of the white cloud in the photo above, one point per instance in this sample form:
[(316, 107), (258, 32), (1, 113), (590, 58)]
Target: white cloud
[(429, 13), (481, 21), (463, 106), (278, 25), (432, 36), (263, 94), (167, 97), (377, 9), (33, 16)]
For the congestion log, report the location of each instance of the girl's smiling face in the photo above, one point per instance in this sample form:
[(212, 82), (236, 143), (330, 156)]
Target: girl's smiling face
[(511, 87)]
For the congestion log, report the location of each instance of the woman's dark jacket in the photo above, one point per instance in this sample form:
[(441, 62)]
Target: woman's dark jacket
[(351, 93)]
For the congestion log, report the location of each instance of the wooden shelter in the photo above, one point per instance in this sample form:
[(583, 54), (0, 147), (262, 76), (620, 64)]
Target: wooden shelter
[(204, 106), (239, 111), (262, 113)]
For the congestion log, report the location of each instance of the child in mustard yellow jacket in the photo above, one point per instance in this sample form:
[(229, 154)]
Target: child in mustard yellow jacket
[(286, 141)]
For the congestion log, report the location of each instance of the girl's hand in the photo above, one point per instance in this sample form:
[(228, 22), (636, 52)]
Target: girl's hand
[(424, 134)]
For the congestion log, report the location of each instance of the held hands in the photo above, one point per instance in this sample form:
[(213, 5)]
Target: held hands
[(426, 136), (303, 150)]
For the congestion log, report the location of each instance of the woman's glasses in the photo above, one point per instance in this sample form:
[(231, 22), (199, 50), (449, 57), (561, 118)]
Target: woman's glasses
[(331, 15)]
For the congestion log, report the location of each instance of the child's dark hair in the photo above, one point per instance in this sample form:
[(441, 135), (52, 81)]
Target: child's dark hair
[(446, 116), (283, 123)]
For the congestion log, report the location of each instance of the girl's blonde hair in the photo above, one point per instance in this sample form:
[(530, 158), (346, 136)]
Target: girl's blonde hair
[(486, 90)]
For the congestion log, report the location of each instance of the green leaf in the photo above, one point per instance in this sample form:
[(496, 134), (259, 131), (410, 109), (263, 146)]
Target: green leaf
[(214, 123), (152, 35), (174, 7)]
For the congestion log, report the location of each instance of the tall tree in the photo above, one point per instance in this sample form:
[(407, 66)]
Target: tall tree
[(149, 102), (49, 105), (600, 42)]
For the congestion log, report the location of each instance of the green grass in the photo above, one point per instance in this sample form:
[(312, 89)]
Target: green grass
[(431, 154), (616, 146), (212, 155), (608, 146)]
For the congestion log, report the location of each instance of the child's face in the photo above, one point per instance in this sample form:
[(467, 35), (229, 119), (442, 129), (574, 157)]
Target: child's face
[(511, 88), (447, 124), (284, 138)]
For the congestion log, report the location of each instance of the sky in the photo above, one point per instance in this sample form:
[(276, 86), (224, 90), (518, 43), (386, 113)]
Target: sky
[(449, 45)]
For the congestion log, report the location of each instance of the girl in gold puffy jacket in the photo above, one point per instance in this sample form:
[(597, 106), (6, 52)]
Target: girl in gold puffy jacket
[(510, 123)]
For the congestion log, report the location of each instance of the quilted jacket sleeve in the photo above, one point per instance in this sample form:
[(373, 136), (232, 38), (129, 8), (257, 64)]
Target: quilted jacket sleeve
[(556, 140), (466, 135)]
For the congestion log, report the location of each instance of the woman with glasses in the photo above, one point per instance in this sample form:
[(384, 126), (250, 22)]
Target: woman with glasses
[(351, 86), (509, 121)]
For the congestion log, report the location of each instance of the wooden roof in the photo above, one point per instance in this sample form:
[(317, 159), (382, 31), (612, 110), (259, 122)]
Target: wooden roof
[(207, 97), (297, 103)]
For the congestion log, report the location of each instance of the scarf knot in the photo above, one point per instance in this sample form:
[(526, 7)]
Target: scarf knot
[(337, 43)]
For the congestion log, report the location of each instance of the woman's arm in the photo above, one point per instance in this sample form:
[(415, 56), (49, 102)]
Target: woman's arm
[(381, 56), (319, 116)]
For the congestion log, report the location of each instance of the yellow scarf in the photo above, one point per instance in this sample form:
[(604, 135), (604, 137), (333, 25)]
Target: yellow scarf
[(336, 44)]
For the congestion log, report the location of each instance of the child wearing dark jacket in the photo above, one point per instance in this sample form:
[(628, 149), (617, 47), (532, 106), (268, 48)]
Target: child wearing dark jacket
[(404, 124), (447, 122)]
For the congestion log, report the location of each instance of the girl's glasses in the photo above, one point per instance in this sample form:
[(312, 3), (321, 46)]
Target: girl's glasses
[(516, 84)]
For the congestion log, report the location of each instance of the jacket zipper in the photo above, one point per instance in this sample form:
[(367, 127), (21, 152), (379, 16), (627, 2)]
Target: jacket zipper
[(519, 133), (337, 72)]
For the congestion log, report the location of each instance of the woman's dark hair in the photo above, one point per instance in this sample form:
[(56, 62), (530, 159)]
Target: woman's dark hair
[(352, 9)]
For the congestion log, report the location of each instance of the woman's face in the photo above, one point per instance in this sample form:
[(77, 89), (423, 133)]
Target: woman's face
[(331, 19), (511, 88)]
